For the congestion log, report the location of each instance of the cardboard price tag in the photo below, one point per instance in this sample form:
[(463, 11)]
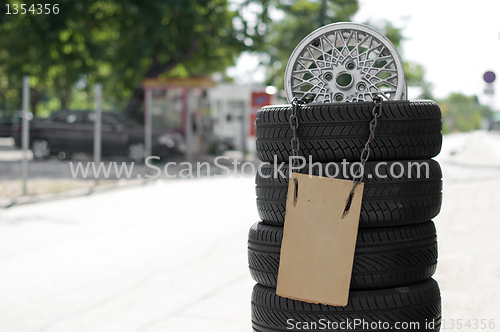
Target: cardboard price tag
[(318, 244)]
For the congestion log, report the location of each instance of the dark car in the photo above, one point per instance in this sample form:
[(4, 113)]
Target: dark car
[(68, 131), (6, 125)]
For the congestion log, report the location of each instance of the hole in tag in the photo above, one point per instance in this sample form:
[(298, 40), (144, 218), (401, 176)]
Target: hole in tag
[(348, 205), (296, 191)]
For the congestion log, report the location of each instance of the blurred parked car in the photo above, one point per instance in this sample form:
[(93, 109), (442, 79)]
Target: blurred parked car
[(7, 125), (69, 131)]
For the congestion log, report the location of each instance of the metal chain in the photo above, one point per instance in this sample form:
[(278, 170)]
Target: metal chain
[(294, 124), (365, 153)]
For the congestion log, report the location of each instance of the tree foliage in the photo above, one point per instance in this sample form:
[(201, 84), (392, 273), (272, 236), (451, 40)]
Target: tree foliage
[(55, 50), (463, 113), (174, 38), (118, 43)]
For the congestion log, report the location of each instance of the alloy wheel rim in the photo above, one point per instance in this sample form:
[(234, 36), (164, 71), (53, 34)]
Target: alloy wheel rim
[(344, 62)]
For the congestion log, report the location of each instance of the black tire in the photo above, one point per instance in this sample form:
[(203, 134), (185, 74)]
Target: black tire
[(420, 303), (334, 132), (385, 257), (64, 155), (386, 201)]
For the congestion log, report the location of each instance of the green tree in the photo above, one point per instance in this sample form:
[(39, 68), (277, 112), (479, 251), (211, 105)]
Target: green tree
[(173, 38), (415, 76), (54, 49), (119, 43), (463, 113)]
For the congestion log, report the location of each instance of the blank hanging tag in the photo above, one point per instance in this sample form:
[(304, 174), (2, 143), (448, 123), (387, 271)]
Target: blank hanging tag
[(319, 239)]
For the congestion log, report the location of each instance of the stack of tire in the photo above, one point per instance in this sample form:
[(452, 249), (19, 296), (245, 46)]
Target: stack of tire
[(396, 251)]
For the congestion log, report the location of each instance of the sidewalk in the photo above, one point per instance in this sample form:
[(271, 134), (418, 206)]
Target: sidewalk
[(468, 226), (469, 265)]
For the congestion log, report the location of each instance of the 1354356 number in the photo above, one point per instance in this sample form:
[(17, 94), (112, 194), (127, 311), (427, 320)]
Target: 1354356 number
[(469, 324), (33, 9)]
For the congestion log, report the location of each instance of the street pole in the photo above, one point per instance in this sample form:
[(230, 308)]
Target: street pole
[(244, 133), (188, 129), (148, 131), (25, 132), (97, 127)]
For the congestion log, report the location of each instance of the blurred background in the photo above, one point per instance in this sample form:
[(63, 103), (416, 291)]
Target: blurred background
[(209, 65), (145, 258)]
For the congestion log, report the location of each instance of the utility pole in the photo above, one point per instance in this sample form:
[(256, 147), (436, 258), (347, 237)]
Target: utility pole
[(97, 127), (25, 132)]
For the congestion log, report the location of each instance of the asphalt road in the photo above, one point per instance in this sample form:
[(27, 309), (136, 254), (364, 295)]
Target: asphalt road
[(155, 258)]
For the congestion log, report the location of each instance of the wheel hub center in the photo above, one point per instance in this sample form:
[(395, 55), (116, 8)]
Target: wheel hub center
[(344, 80)]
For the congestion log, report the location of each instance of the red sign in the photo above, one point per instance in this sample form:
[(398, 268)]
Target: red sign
[(259, 100)]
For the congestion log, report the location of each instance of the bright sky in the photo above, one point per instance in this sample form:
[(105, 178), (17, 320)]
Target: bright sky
[(455, 40)]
